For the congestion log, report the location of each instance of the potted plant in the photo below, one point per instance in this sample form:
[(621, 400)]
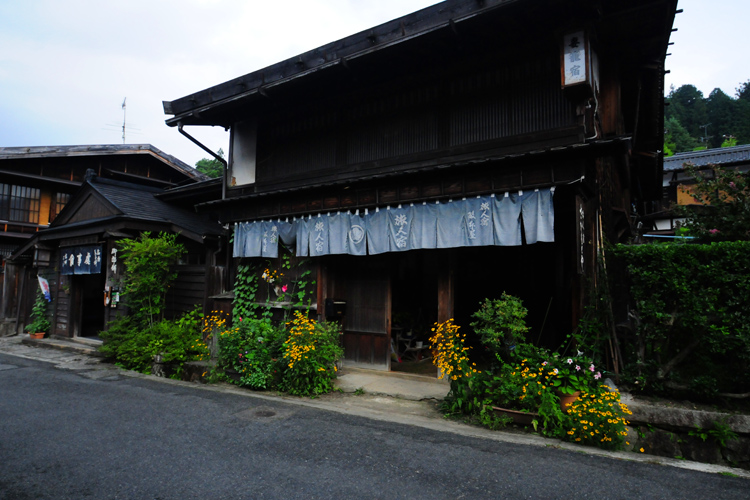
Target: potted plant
[(39, 323), (570, 375)]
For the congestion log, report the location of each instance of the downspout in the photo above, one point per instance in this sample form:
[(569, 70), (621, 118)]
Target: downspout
[(217, 157)]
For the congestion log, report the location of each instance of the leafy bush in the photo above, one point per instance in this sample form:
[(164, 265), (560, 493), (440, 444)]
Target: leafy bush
[(39, 322), (501, 324), (148, 264), (450, 355), (693, 323), (134, 347), (310, 353), (598, 418), (251, 350), (528, 379)]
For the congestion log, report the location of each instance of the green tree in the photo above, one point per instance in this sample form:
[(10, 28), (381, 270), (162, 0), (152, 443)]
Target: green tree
[(688, 105), (676, 138), (148, 263), (722, 115), (743, 91), (211, 166)]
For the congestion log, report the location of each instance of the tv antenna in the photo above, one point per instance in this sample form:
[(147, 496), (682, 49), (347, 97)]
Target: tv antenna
[(124, 115), (125, 129)]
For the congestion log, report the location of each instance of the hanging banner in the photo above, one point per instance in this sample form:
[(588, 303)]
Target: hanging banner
[(81, 260), (479, 221), (44, 285)]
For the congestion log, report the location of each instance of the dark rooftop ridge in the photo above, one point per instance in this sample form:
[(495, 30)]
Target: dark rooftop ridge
[(19, 152), (441, 15), (705, 157)]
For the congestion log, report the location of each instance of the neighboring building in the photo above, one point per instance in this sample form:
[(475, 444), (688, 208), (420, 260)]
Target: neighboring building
[(676, 183), (464, 150), (38, 182)]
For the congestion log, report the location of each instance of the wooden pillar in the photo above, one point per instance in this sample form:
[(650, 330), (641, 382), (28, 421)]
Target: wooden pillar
[(446, 285), (10, 291)]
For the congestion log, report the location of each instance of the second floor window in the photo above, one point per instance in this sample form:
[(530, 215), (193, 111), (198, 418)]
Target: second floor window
[(58, 202), (19, 203)]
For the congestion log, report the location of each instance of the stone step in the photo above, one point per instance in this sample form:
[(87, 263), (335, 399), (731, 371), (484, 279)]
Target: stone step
[(81, 346)]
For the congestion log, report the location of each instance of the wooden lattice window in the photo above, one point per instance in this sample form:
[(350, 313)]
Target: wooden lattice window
[(19, 203), (58, 202)]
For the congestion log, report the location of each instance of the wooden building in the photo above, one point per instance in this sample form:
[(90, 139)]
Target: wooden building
[(70, 212), (470, 148)]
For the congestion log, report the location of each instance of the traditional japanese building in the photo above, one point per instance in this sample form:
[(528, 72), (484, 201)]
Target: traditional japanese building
[(470, 148), (95, 195)]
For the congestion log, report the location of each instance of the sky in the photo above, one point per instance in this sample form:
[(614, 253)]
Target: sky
[(67, 66)]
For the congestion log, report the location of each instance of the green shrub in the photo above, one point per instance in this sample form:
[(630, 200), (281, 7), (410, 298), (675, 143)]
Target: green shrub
[(251, 349), (134, 348), (39, 322), (598, 418), (501, 325), (309, 355), (148, 262), (693, 323)]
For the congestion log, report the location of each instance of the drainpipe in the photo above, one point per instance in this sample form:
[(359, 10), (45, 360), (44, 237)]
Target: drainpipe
[(217, 157)]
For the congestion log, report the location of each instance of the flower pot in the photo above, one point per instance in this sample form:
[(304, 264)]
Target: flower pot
[(567, 399), (37, 335), (519, 417)]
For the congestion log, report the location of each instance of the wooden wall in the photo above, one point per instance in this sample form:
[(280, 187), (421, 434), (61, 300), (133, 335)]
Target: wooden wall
[(422, 118)]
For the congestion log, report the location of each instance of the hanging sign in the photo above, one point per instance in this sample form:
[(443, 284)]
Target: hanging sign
[(81, 260), (579, 64), (44, 285)]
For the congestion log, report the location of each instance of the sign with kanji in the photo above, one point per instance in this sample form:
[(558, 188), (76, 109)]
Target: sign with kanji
[(575, 58), (81, 260)]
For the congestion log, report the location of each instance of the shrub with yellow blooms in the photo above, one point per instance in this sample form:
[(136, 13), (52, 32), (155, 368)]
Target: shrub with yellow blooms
[(309, 356), (451, 356), (598, 418)]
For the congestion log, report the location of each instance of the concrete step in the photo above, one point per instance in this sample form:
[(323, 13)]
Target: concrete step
[(78, 344)]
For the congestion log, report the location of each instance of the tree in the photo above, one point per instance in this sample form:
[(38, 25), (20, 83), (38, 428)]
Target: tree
[(688, 105), (677, 139), (148, 262), (211, 166), (722, 116), (743, 91), (724, 196)]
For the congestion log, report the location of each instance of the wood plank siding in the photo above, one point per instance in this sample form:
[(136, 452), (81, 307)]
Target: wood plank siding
[(391, 129)]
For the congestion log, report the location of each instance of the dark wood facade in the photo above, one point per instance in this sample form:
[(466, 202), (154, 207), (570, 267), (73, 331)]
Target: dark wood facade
[(460, 99), (37, 182), (100, 214)]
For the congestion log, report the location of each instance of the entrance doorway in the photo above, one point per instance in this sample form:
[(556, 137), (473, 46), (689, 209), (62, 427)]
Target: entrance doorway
[(88, 304), (414, 310)]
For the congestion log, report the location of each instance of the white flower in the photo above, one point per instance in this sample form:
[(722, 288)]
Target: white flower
[(570, 361)]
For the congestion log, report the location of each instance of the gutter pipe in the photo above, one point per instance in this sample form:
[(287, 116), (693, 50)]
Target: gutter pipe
[(217, 157)]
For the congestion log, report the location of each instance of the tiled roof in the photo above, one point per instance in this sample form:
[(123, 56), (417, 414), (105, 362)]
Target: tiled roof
[(139, 202), (705, 157)]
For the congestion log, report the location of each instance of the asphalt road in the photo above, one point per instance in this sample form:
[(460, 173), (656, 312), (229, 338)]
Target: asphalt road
[(64, 435)]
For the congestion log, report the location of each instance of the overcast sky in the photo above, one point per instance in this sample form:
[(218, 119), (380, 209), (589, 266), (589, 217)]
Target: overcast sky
[(66, 66)]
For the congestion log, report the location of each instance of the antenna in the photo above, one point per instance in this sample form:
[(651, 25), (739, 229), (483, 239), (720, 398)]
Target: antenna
[(124, 114), (124, 128)]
